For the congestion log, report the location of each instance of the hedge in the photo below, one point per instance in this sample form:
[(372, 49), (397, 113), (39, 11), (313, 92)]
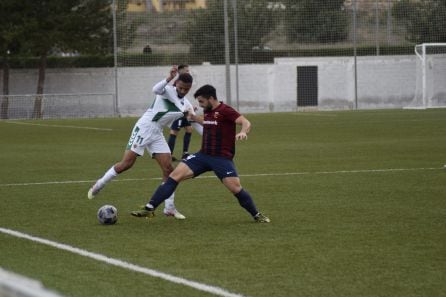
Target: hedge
[(157, 59)]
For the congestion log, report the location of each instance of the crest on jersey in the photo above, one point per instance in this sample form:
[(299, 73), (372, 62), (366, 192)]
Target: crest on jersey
[(216, 115)]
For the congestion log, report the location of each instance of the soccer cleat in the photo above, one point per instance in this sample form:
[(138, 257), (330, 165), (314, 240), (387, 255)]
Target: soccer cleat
[(260, 218), (172, 212), (185, 155), (143, 212), (174, 159), (93, 191)]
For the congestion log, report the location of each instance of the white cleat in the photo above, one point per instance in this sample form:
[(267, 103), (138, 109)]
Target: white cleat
[(90, 194), (93, 191), (172, 212), (260, 218)]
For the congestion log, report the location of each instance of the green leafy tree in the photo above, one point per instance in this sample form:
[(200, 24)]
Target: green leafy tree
[(205, 29), (425, 21), (83, 26), (316, 21)]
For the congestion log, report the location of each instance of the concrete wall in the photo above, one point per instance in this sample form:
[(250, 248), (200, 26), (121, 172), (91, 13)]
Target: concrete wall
[(383, 82)]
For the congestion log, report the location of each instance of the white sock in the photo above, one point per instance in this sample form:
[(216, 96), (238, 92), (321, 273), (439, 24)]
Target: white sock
[(169, 203), (108, 176)]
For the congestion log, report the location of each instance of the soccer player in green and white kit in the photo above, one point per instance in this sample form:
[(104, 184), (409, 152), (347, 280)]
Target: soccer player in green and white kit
[(170, 104)]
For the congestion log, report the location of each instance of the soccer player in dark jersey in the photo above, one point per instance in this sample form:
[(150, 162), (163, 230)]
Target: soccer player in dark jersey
[(217, 152)]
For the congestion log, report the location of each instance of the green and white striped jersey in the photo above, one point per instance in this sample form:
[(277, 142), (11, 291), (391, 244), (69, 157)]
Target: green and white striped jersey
[(166, 107)]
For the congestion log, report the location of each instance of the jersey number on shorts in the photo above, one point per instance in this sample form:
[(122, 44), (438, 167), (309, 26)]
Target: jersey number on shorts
[(139, 139)]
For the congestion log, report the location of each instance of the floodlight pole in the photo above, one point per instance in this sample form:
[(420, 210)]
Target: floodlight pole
[(354, 54), (389, 22), (377, 27), (115, 62), (234, 7), (227, 55)]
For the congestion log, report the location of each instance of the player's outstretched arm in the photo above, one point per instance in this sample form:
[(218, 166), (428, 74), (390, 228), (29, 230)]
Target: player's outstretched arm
[(159, 88), (173, 72), (246, 127)]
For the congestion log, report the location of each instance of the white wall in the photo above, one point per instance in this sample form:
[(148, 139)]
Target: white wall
[(62, 81), (383, 82)]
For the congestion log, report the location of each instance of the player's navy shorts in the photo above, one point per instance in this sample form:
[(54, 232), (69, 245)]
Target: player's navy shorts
[(180, 123), (200, 163)]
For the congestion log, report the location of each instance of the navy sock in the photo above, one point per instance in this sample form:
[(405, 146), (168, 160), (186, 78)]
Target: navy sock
[(163, 192), (171, 142), (246, 202), (186, 142)]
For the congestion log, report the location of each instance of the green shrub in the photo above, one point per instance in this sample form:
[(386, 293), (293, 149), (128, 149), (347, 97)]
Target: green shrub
[(245, 57)]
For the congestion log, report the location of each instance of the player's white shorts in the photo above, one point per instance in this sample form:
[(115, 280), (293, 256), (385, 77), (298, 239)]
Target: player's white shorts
[(147, 137)]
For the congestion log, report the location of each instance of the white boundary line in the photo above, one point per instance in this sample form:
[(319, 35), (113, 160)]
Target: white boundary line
[(241, 175), (59, 126), (123, 264), (154, 273)]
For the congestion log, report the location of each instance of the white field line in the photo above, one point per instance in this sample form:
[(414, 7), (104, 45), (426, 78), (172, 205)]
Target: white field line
[(123, 264), (241, 175), (59, 126)]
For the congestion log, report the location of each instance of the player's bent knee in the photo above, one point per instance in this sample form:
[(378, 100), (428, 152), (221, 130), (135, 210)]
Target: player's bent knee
[(232, 184), (235, 190), (182, 172)]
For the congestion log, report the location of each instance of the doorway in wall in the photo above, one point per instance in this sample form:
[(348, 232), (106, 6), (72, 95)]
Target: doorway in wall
[(307, 85)]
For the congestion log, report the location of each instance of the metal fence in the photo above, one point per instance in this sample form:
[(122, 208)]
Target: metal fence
[(55, 106), (234, 34), (240, 32), (254, 30)]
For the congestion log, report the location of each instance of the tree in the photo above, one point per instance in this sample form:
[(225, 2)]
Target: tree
[(126, 28), (316, 21), (11, 23), (205, 30), (424, 20), (82, 26)]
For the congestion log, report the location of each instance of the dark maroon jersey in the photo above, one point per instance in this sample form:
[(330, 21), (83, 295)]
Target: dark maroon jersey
[(219, 131)]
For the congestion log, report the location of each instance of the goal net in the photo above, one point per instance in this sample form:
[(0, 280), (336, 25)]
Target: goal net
[(430, 89)]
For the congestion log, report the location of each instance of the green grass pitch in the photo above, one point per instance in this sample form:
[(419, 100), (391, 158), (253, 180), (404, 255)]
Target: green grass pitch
[(357, 201)]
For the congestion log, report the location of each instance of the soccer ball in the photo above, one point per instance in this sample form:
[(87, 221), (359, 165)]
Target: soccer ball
[(107, 215)]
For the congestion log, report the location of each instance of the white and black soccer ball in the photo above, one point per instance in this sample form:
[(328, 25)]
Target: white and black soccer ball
[(107, 215)]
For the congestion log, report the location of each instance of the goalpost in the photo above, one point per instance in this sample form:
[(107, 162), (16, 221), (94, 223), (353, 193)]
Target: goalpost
[(430, 89)]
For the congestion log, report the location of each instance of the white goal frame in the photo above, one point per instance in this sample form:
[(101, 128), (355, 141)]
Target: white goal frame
[(421, 53)]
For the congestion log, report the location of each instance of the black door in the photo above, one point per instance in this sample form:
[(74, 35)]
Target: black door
[(307, 86)]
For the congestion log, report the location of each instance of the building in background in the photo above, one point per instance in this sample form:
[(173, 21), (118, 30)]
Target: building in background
[(164, 5)]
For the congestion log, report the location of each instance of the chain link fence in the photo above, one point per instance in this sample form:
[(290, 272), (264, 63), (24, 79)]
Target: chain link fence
[(275, 55), (257, 31), (57, 106), (246, 32)]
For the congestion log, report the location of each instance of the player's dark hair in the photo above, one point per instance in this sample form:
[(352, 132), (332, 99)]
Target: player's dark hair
[(185, 77), (181, 66), (206, 91)]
